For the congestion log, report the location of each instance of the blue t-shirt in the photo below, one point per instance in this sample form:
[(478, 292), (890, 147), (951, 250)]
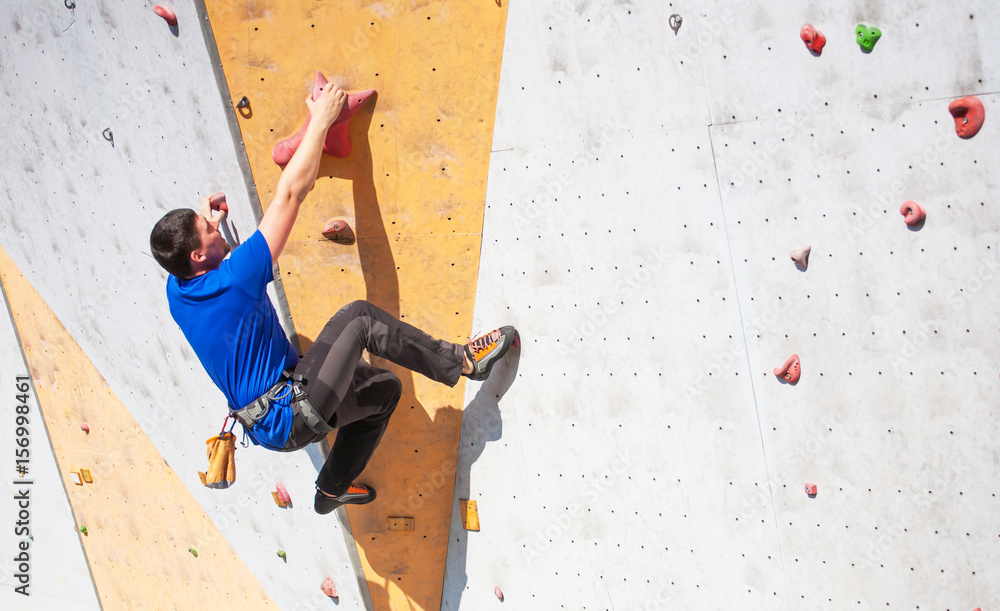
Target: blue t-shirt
[(229, 321)]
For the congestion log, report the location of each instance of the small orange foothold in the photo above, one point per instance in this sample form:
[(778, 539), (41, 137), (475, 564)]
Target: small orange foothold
[(811, 489), (339, 231), (167, 13), (913, 213), (277, 500), (801, 257), (791, 370), (499, 593), (329, 588), (85, 428)]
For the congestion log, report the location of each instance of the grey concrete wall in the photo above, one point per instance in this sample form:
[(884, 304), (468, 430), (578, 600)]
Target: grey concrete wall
[(645, 190)]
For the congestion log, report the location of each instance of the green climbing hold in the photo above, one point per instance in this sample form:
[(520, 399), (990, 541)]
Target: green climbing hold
[(193, 551), (83, 529), (31, 536), (867, 36), (281, 554)]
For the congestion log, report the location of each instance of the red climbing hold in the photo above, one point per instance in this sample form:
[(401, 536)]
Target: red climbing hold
[(801, 257), (337, 142), (168, 15), (85, 428), (791, 370), (283, 494), (329, 588), (813, 38), (499, 593), (339, 231), (811, 489), (913, 213), (969, 115), (218, 202)]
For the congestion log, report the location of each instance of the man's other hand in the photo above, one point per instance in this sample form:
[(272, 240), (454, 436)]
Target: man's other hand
[(327, 108)]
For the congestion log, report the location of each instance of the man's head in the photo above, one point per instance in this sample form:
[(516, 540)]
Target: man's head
[(188, 244)]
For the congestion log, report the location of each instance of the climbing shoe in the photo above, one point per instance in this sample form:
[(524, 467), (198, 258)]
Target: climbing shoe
[(357, 494), (486, 350)]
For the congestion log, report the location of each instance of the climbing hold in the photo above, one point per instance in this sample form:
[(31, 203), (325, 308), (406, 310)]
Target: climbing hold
[(283, 493), (193, 551), (218, 202), (675, 22), (470, 514), (76, 477), (168, 15), (337, 142), (499, 593), (31, 536), (969, 115), (867, 36), (87, 477), (83, 529), (329, 588), (110, 137), (811, 489), (277, 500), (339, 231), (282, 555), (813, 38), (790, 371), (801, 257), (913, 214), (85, 428)]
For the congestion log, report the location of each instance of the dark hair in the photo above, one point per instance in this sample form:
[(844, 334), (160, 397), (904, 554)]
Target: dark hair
[(173, 239)]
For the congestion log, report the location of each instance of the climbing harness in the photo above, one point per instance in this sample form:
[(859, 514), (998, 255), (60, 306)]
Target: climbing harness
[(249, 415)]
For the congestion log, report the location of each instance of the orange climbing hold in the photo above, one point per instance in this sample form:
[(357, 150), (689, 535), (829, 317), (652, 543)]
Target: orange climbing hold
[(329, 588), (813, 38), (791, 370), (969, 115), (168, 15), (337, 142), (913, 214), (801, 257)]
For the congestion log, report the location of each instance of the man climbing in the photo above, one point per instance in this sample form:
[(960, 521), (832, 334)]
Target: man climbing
[(285, 403)]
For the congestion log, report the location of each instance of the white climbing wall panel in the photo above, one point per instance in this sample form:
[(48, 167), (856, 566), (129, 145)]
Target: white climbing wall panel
[(644, 193), (57, 569), (76, 218)]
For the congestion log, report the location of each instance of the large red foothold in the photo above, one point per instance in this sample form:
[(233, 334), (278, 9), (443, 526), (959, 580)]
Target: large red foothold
[(969, 115), (811, 489), (801, 257), (791, 370), (283, 494), (329, 588), (168, 15), (339, 231), (337, 142), (913, 214), (813, 38)]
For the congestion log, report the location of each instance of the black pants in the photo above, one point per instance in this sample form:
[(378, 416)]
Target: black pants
[(356, 398)]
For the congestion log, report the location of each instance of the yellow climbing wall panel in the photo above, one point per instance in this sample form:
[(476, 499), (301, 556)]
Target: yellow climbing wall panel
[(413, 189), (140, 518)]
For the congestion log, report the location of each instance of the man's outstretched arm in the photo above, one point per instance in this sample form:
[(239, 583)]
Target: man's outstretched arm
[(299, 175)]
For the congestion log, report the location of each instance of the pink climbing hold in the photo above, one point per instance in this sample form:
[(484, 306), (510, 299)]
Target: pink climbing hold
[(337, 142), (168, 15), (791, 370), (811, 489), (969, 115), (218, 202), (329, 588), (801, 257), (813, 38), (85, 428), (339, 231), (913, 214), (499, 593), (283, 494)]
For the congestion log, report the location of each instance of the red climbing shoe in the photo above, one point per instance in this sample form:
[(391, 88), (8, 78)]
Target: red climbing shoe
[(357, 494), (486, 350)]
